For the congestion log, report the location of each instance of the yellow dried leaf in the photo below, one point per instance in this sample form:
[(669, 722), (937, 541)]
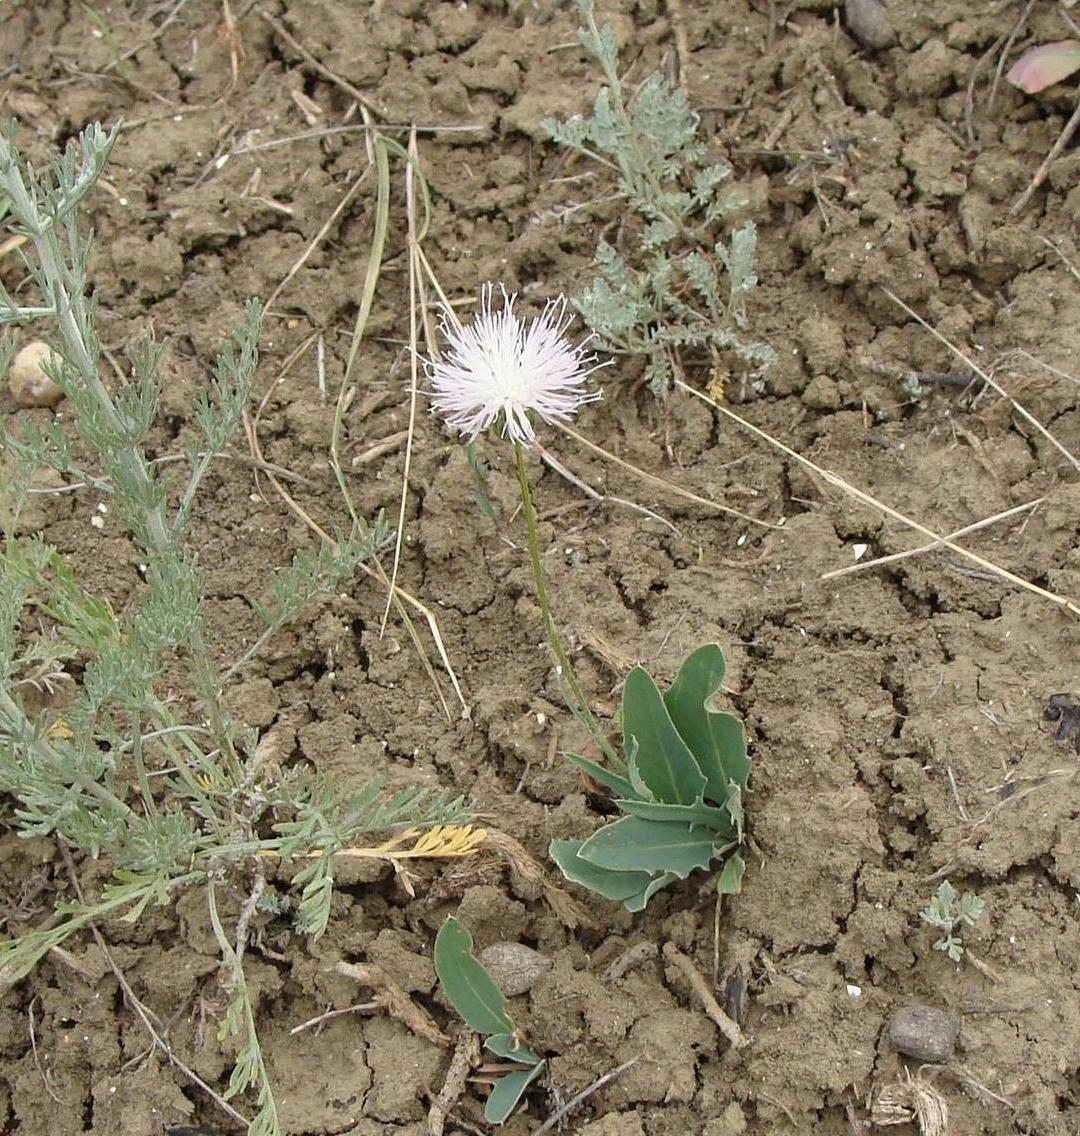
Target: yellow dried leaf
[(59, 729)]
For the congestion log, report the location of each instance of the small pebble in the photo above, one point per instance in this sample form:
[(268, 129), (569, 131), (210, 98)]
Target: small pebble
[(924, 1034), (29, 384), (514, 967), (868, 21)]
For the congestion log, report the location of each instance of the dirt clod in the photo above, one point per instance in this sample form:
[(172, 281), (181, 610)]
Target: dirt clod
[(924, 1034)]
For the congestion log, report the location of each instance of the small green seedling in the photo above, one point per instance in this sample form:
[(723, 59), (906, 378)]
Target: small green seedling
[(681, 788), (1042, 67), (473, 993), (949, 912)]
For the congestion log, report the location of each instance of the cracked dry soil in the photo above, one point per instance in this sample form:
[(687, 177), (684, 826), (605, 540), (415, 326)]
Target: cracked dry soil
[(895, 716)]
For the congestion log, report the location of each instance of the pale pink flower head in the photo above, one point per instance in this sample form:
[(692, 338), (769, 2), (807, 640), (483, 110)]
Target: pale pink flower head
[(501, 365)]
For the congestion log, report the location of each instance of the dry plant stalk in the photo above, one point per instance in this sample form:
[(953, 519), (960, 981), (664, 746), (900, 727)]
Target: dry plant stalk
[(524, 868), (390, 996), (466, 1056), (838, 482), (725, 1024), (912, 1100)]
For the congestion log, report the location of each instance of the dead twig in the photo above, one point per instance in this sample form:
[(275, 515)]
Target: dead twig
[(839, 483), (725, 1024), (631, 958), (987, 378), (318, 1020), (552, 462), (319, 68), (1076, 276), (965, 531), (466, 1056), (145, 1014), (584, 1095), (37, 1060), (985, 969), (780, 1105), (394, 1000), (1010, 39), (970, 1082), (659, 482), (1063, 139), (388, 445), (956, 796), (677, 20), (347, 198)]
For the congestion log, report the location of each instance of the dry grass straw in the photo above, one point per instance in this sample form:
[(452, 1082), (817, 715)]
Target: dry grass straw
[(989, 380), (417, 230), (936, 539), (967, 530), (379, 150), (660, 482)]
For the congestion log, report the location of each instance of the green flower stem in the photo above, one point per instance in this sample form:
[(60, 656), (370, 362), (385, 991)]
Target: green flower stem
[(575, 696)]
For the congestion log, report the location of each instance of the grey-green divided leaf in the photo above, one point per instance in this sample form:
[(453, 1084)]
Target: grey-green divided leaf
[(636, 845), (507, 1045), (602, 774), (663, 761), (730, 881), (714, 737), (470, 988), (506, 1093), (718, 820), (611, 885)]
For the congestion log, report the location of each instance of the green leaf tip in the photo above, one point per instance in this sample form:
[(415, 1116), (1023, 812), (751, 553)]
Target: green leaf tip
[(471, 990)]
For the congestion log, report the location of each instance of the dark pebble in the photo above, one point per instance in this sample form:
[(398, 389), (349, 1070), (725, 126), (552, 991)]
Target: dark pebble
[(869, 23), (925, 1034)]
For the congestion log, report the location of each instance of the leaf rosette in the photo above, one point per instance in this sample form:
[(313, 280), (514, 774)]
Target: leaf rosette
[(681, 794)]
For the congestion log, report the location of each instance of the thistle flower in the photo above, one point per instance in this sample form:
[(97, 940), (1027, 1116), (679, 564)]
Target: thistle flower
[(501, 364)]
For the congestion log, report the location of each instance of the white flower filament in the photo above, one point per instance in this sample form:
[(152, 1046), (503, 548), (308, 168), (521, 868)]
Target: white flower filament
[(501, 365)]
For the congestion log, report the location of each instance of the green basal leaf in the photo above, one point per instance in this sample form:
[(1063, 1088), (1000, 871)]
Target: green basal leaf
[(714, 737), (640, 901), (730, 881), (507, 1045), (507, 1092), (602, 774), (636, 845), (470, 988), (663, 761), (611, 885), (699, 813)]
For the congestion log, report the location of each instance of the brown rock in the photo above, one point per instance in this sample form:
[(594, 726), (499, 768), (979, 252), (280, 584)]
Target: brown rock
[(514, 967), (868, 21), (924, 1033)]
